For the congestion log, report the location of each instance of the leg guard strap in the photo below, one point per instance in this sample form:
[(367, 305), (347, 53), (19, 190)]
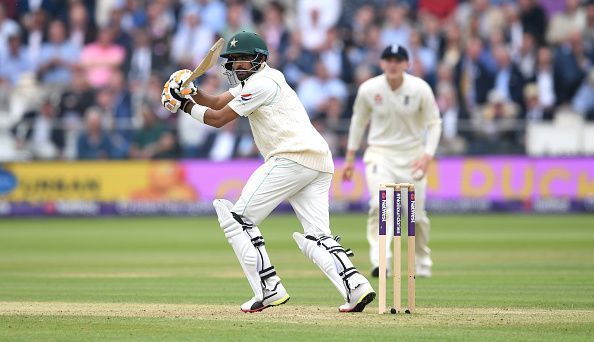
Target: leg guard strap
[(267, 271), (311, 248), (346, 269)]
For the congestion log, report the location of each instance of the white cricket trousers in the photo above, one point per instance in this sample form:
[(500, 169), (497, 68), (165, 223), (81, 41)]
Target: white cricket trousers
[(391, 167), (282, 179)]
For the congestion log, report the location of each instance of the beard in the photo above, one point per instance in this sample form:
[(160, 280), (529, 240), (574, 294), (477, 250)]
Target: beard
[(243, 74)]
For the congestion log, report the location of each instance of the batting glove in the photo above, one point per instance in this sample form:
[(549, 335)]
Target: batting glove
[(178, 78), (171, 100)]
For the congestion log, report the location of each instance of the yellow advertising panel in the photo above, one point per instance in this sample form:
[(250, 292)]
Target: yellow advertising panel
[(96, 181)]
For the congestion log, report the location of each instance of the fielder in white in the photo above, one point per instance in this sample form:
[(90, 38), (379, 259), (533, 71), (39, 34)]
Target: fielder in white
[(404, 130), (298, 168)]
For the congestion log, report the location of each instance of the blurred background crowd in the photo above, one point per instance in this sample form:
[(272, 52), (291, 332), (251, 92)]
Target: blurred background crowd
[(82, 79)]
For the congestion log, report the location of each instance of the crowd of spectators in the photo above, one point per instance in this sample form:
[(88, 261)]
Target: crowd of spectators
[(82, 79)]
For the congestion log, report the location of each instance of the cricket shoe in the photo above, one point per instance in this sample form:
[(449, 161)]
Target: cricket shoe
[(375, 272), (423, 271), (360, 296), (277, 296)]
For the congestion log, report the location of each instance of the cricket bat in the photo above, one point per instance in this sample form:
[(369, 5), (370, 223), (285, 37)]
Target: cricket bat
[(211, 58)]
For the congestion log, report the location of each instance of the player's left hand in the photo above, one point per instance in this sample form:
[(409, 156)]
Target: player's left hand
[(420, 166), (178, 78)]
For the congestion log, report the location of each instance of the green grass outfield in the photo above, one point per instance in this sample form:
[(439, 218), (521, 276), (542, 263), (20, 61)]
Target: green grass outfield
[(496, 277)]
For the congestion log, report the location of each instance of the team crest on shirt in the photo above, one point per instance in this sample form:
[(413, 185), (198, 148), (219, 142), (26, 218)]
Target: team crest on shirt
[(246, 97), (406, 100), (378, 99)]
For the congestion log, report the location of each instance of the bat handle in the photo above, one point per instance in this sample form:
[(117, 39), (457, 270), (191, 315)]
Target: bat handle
[(186, 82)]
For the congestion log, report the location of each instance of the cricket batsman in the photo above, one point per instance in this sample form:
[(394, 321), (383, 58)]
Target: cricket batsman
[(298, 168), (404, 130)]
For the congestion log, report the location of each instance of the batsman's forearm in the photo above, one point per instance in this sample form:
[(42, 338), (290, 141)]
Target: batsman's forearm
[(207, 116), (204, 99), (211, 101)]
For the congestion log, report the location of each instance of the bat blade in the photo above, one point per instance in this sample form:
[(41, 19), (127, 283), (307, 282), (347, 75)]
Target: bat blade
[(207, 62)]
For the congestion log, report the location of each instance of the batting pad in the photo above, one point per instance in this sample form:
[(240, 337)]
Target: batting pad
[(242, 245)]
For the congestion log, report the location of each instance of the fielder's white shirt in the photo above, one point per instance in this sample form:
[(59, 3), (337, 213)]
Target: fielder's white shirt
[(279, 122), (399, 120)]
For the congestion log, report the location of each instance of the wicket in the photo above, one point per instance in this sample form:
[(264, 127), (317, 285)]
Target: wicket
[(397, 225)]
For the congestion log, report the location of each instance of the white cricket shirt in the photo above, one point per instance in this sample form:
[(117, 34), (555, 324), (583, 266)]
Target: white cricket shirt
[(279, 122), (400, 120)]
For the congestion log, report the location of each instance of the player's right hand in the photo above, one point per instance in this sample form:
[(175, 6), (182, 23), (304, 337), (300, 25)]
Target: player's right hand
[(347, 171), (178, 78)]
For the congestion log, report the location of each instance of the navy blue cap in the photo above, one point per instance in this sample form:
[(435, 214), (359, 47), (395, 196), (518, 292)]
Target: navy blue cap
[(395, 50)]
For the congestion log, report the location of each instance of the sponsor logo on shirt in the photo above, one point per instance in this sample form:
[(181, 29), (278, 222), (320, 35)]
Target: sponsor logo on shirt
[(378, 99), (246, 97)]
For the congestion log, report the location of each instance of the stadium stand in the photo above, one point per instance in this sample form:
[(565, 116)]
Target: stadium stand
[(79, 79)]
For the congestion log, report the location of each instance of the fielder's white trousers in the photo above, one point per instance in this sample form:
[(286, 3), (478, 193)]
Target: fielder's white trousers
[(383, 166), (281, 179)]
